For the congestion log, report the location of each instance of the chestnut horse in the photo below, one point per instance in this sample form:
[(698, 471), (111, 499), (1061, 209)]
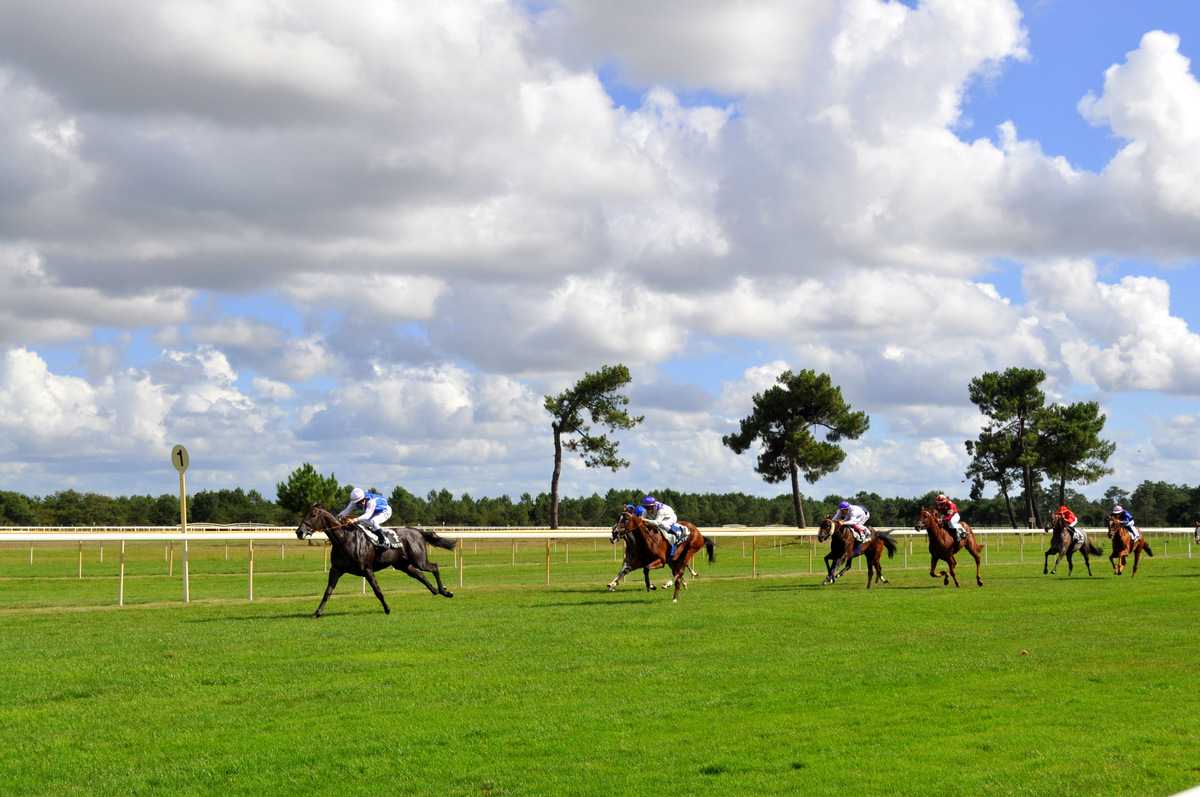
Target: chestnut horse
[(844, 548), (651, 550), (355, 554), (1123, 545), (1065, 544), (942, 545)]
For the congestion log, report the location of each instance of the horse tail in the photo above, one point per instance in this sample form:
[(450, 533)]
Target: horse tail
[(887, 541), (1146, 548), (441, 542), (711, 547), (1092, 549)]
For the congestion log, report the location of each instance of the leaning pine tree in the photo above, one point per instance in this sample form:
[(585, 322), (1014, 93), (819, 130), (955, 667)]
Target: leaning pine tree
[(784, 421), (598, 396)]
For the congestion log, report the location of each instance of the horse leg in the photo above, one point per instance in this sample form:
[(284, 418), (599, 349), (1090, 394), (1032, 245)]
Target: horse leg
[(933, 570), (334, 575), (1046, 561), (1070, 562), (1057, 562), (370, 574), (974, 551), (432, 567), (416, 573), (678, 579), (878, 561), (612, 585), (953, 564), (1086, 560), (1137, 554)]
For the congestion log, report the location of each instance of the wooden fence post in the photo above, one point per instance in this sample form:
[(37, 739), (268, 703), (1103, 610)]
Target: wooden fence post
[(81, 558), (121, 587), (251, 559)]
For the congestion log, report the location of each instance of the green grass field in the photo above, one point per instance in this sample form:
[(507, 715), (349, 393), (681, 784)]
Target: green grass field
[(774, 685)]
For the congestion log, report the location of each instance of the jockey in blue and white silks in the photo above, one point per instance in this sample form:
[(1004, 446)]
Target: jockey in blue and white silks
[(856, 518), (1122, 516), (662, 517), (374, 508)]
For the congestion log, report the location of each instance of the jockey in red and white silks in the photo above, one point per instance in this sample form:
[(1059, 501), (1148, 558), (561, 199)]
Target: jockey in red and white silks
[(949, 514)]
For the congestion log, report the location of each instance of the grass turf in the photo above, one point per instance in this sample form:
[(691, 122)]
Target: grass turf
[(773, 685)]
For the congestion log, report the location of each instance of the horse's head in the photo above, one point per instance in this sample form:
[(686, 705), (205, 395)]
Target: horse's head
[(317, 518), (624, 524), (1114, 527), (825, 530), (926, 520)]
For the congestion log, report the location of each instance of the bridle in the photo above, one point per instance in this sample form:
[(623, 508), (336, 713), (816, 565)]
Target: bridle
[(306, 526), (825, 530)]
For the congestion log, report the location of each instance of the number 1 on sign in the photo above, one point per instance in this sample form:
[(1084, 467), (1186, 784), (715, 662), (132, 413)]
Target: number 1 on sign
[(179, 458)]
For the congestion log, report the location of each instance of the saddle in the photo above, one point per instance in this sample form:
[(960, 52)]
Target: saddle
[(385, 539), (860, 536)]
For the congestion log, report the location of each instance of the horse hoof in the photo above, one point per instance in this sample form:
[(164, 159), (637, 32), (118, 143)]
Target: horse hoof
[(611, 588), (448, 593), (386, 610)]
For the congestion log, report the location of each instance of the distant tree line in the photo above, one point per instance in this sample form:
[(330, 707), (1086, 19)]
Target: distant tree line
[(1152, 503)]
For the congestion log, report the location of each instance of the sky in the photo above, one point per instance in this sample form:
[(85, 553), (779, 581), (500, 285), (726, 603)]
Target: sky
[(278, 232)]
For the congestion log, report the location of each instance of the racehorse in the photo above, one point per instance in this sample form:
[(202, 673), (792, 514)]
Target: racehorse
[(1198, 532), (942, 545), (1123, 545), (1066, 544), (639, 556), (647, 548), (355, 554), (844, 548)]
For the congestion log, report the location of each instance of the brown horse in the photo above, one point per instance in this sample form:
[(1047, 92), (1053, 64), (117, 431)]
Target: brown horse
[(355, 554), (1123, 545), (646, 547), (942, 545), (1064, 543), (844, 548)]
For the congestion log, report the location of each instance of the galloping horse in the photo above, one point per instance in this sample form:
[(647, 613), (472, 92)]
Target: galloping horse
[(1123, 545), (942, 545), (647, 548), (353, 553), (844, 548), (1066, 544)]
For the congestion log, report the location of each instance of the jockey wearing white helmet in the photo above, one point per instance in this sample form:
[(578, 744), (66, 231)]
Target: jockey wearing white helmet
[(374, 508)]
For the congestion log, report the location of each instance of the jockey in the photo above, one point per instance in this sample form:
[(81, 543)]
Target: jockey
[(1122, 516), (855, 517), (949, 516), (1069, 520), (374, 508), (662, 517)]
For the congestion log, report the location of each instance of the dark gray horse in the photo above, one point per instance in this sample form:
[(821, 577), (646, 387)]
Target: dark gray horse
[(1064, 543), (354, 553)]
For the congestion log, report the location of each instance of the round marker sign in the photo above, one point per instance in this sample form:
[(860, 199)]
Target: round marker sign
[(179, 458)]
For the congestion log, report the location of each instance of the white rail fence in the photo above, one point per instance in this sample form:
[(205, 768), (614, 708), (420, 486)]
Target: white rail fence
[(251, 534)]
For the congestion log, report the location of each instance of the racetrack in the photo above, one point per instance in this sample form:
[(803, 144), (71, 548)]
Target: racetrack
[(773, 685)]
